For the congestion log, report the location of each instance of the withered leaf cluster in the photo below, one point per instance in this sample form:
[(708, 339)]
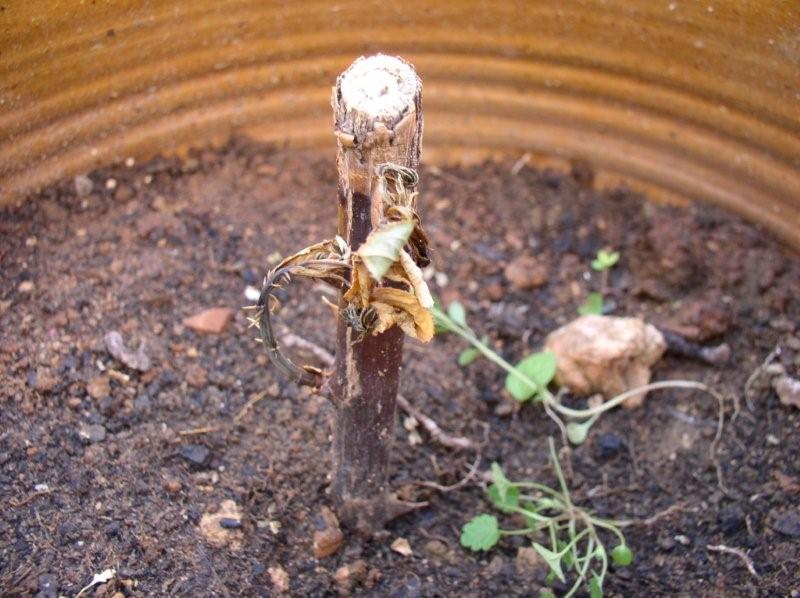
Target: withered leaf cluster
[(382, 280)]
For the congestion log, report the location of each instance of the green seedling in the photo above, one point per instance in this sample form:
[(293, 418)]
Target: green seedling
[(531, 377), (603, 262), (565, 535), (458, 314), (527, 380), (592, 306)]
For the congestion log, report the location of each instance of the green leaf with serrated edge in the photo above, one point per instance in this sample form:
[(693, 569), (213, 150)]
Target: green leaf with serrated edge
[(507, 504), (382, 247), (539, 368), (457, 313), (593, 306), (467, 356), (552, 559), (595, 587), (480, 533)]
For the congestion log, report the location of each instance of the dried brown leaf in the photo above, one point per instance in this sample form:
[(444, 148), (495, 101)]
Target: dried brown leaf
[(407, 303), (415, 279)]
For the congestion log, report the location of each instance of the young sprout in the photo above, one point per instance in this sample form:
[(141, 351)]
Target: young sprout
[(565, 535), (530, 378), (603, 262)]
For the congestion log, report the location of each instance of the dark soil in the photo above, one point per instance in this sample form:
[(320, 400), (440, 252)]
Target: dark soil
[(95, 472)]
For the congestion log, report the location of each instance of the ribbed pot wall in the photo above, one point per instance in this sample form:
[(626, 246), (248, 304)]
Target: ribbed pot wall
[(684, 99)]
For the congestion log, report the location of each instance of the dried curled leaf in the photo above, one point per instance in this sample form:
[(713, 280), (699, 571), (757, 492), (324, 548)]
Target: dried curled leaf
[(395, 306), (361, 284), (383, 246), (414, 275), (394, 252)]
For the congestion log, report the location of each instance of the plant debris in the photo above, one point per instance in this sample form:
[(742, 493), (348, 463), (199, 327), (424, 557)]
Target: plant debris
[(393, 254), (136, 360)]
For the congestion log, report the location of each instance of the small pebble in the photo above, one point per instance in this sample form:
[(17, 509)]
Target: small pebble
[(83, 185), (401, 546), (172, 486), (196, 454), (210, 321), (94, 433), (731, 519), (328, 539), (98, 387), (609, 445), (48, 586), (788, 524)]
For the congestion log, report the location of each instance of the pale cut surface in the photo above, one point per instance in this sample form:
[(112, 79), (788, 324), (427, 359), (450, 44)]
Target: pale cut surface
[(381, 87)]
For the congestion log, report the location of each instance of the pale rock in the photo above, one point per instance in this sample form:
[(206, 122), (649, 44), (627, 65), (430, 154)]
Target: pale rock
[(279, 578), (605, 354), (219, 535), (401, 546), (788, 390)]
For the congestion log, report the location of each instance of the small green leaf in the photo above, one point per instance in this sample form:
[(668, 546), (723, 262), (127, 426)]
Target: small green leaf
[(500, 480), (550, 578), (467, 356), (506, 504), (545, 593), (622, 555), (439, 323), (481, 533), (539, 368), (595, 587), (605, 260), (457, 313), (592, 306), (567, 558), (577, 431), (553, 560), (382, 247)]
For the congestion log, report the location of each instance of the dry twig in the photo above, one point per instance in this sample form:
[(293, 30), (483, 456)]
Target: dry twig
[(751, 380), (737, 552), (198, 431), (653, 519), (22, 502), (247, 406), (460, 484)]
